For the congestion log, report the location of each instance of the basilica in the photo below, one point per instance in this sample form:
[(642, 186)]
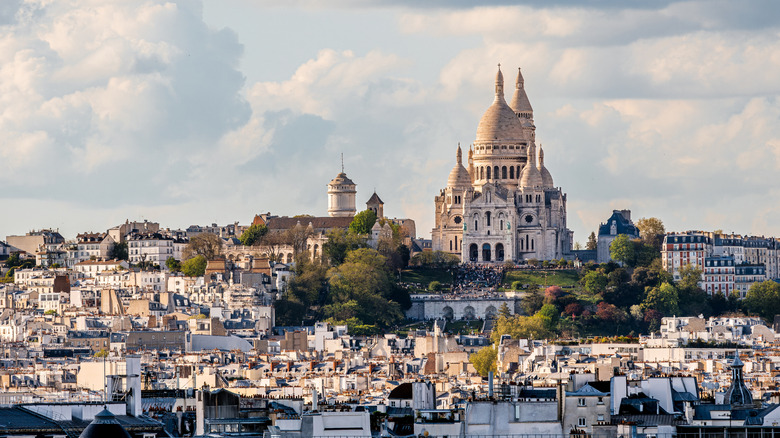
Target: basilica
[(504, 206)]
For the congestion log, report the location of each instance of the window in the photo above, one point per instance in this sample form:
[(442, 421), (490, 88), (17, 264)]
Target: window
[(601, 400), (580, 402), (600, 417), (581, 422)]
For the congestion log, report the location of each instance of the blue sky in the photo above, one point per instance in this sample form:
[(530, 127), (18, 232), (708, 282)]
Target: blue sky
[(197, 112)]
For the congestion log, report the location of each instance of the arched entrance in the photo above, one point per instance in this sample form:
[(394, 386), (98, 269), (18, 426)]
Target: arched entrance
[(490, 312), (468, 312), (473, 252), (500, 252), (448, 313), (486, 252)]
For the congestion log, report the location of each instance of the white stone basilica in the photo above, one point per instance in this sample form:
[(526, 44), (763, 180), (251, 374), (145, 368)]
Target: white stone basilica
[(505, 205)]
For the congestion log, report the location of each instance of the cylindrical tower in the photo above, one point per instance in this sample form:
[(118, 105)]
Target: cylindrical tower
[(341, 196)]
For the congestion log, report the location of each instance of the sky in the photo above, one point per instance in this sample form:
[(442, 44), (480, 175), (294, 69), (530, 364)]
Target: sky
[(198, 112)]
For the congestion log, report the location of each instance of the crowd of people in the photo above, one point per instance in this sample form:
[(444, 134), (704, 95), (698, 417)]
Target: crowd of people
[(470, 277)]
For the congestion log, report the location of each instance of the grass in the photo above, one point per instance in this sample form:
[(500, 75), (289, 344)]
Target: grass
[(553, 277), (425, 276)]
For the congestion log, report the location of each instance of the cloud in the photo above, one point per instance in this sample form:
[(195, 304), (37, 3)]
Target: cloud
[(119, 93)]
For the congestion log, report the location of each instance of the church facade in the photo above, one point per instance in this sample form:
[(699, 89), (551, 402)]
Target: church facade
[(504, 206)]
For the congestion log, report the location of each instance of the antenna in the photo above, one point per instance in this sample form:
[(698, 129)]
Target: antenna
[(342, 162)]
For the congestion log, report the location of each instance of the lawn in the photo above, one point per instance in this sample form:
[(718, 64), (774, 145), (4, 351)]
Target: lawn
[(464, 327), (424, 276), (552, 277)]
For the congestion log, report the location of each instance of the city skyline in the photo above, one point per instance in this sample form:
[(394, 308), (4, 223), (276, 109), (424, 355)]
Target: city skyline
[(196, 113)]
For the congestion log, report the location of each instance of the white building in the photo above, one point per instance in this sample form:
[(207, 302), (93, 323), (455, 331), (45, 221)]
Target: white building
[(505, 206)]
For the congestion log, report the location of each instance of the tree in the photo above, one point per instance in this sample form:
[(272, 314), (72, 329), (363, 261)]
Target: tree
[(172, 264), (209, 245), (595, 282), (195, 267), (484, 360), (339, 243), (118, 251), (690, 276), (298, 238), (518, 326), (577, 246), (504, 311), (434, 286), (592, 242), (573, 309), (253, 235), (651, 230), (763, 299), (532, 300), (622, 250), (549, 315), (664, 299), (362, 222)]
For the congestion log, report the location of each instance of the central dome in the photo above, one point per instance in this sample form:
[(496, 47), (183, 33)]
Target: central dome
[(499, 123)]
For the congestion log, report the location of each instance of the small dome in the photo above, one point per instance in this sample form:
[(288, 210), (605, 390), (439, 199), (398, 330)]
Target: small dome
[(499, 123), (104, 425), (531, 177), (547, 180), (341, 179), (459, 176)]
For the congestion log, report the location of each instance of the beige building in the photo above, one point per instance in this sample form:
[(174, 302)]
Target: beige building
[(504, 206)]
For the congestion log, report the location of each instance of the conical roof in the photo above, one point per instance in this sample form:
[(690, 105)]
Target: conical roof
[(499, 122), (459, 176), (520, 102), (341, 179), (104, 425)]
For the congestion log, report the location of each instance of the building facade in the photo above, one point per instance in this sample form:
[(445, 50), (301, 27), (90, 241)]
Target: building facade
[(505, 205)]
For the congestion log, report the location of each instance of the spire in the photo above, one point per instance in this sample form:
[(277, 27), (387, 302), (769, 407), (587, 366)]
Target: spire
[(342, 162), (520, 103), (541, 157), (499, 83), (460, 155)]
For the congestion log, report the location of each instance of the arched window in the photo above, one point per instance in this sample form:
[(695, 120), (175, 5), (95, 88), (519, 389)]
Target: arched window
[(456, 243), (503, 172), (487, 218), (532, 244), (512, 172), (486, 252), (488, 172), (481, 173), (476, 223), (450, 245), (501, 224), (495, 172), (518, 172)]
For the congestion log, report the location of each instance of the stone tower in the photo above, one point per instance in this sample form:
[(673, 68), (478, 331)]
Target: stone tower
[(341, 196)]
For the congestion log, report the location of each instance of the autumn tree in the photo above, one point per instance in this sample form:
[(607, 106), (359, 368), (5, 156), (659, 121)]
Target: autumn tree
[(209, 245), (652, 231), (663, 298)]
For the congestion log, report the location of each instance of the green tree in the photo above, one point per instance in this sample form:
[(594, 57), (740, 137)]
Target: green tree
[(118, 251), (595, 282), (651, 230), (664, 299), (339, 243), (253, 235), (484, 360), (209, 245), (518, 326), (592, 242), (517, 285), (532, 300), (504, 311), (365, 279), (362, 222), (434, 286), (172, 264), (194, 267), (549, 315), (622, 250), (763, 299), (690, 276)]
